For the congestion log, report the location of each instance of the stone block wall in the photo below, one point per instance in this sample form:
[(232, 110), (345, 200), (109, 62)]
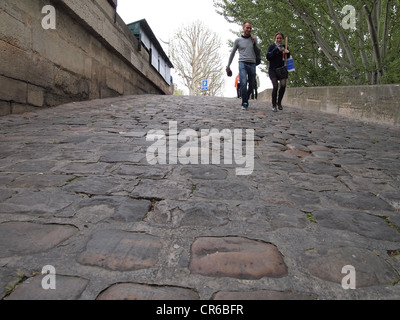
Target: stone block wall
[(380, 103), (90, 54)]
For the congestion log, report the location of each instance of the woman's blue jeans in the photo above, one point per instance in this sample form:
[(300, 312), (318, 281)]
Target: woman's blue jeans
[(247, 74)]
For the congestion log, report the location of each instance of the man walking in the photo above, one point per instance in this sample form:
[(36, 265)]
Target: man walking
[(247, 46)]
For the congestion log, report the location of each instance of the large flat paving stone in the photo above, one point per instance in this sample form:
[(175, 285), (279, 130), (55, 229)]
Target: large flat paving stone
[(119, 156), (39, 181), (117, 208), (22, 238), (145, 172), (271, 216), (121, 250), (189, 213), (133, 291), (370, 269), (31, 166), (359, 201), (236, 257), (95, 185), (47, 202), (223, 190), (66, 288), (162, 189), (205, 172), (360, 222)]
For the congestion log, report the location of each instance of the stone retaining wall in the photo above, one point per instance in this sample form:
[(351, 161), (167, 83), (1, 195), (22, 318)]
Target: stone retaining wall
[(373, 103), (90, 54)]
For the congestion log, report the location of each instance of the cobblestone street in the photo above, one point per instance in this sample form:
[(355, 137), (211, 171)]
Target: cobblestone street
[(81, 191)]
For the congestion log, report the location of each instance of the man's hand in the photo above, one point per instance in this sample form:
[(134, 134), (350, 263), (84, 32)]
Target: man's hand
[(229, 72)]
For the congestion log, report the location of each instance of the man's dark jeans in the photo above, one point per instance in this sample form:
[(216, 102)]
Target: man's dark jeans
[(247, 73)]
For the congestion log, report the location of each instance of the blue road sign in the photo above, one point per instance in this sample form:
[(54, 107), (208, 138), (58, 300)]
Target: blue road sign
[(204, 85)]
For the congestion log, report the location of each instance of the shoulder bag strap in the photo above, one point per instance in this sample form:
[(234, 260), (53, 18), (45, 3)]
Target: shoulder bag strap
[(284, 54)]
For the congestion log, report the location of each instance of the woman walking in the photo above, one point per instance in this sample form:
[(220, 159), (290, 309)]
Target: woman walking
[(276, 55)]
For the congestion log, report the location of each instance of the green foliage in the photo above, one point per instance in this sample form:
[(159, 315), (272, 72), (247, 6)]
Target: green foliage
[(326, 53)]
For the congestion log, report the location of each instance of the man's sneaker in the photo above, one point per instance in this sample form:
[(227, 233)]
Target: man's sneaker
[(280, 107), (274, 109), (244, 106)]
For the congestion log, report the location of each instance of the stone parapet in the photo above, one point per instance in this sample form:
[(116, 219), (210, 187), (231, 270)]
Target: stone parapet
[(379, 103)]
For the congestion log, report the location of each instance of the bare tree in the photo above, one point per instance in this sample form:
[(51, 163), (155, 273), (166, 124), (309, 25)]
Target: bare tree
[(195, 53)]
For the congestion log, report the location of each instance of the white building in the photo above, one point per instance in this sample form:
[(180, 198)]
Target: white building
[(158, 59)]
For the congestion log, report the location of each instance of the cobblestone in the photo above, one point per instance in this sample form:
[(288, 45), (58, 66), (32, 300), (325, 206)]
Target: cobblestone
[(79, 193)]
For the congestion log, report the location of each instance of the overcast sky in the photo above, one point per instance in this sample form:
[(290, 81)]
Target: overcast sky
[(166, 17)]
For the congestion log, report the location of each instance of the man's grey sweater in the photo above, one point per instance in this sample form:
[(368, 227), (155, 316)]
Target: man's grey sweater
[(246, 50)]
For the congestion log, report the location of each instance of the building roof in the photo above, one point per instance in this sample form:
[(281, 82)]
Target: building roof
[(142, 26)]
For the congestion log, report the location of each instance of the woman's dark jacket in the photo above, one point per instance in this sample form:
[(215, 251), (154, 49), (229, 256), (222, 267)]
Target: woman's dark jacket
[(275, 57)]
